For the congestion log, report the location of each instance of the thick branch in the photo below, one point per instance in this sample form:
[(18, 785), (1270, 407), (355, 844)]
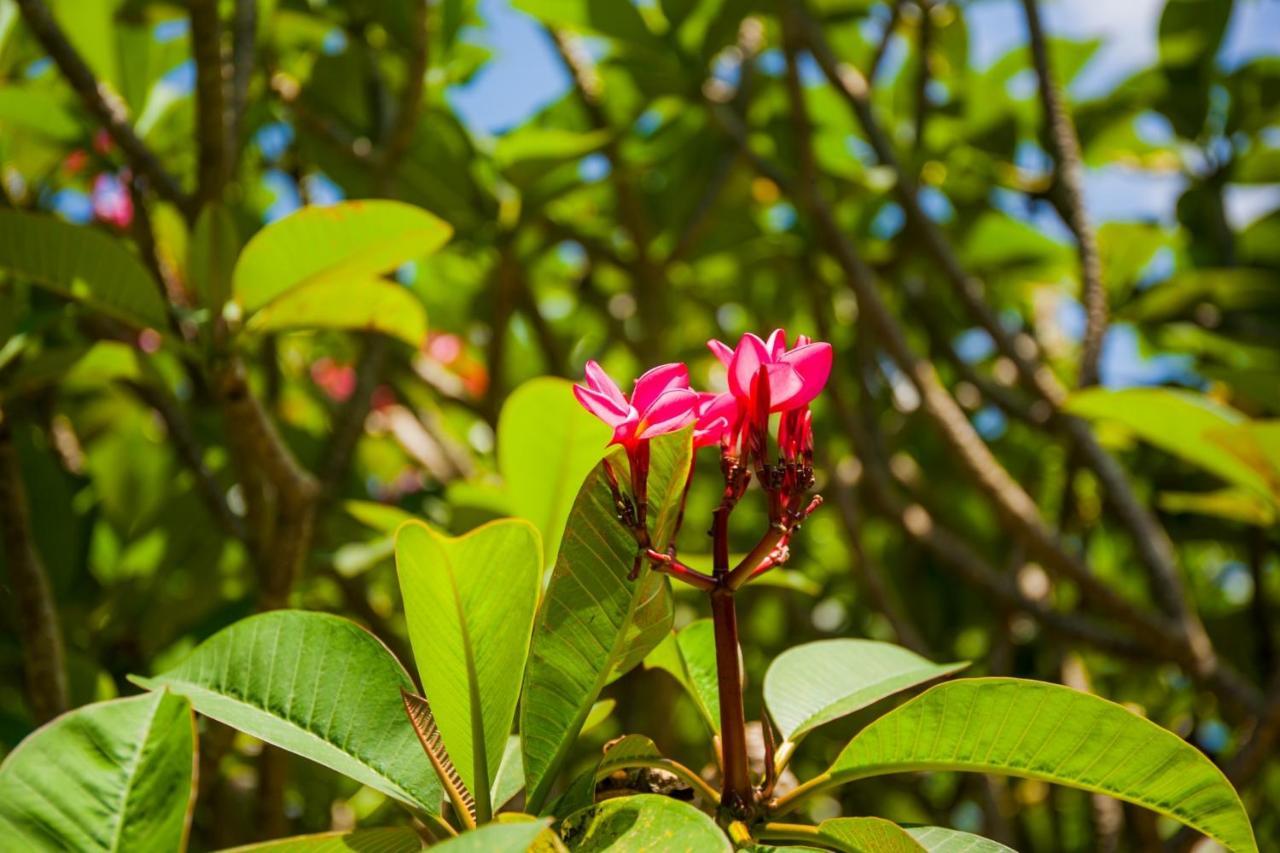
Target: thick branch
[(244, 42), (41, 636), (212, 122), (103, 103)]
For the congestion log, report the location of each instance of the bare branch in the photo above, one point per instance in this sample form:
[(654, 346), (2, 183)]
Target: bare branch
[(41, 636), (103, 103), (212, 121), (1070, 169), (244, 42)]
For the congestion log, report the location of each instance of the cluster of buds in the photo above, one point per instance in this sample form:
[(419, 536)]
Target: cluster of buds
[(768, 383)]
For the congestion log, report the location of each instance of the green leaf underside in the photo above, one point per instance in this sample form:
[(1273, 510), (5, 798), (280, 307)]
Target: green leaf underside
[(345, 242), (400, 839), (815, 683), (645, 823), (82, 264), (1178, 422), (469, 603), (593, 621), (364, 304), (112, 776), (1045, 731), (689, 655), (513, 837), (547, 444), (510, 778), (938, 839), (867, 835), (318, 686)]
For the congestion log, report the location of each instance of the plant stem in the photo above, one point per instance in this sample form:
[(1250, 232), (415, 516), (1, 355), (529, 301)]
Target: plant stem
[(737, 794)]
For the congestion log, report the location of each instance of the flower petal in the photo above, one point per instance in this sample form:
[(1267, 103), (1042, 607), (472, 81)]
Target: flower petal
[(602, 406), (785, 384), (747, 358), (598, 380), (674, 410), (709, 434), (652, 385), (777, 344), (722, 351), (813, 364)]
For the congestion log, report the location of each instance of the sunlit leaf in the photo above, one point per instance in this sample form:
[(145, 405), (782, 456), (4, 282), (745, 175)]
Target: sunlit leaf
[(318, 686), (938, 839), (366, 305), (347, 242), (645, 823), (547, 444), (810, 685), (114, 776), (689, 655), (469, 603), (1053, 733), (381, 840), (587, 626), (507, 837)]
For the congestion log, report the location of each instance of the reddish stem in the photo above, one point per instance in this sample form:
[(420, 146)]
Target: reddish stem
[(737, 796)]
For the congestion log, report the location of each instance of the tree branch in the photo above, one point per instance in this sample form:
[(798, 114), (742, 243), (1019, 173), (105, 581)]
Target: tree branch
[(1070, 169), (41, 636), (212, 121), (103, 103)]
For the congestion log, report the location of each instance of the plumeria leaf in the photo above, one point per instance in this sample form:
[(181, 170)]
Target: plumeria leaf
[(689, 655), (318, 686), (514, 836), (938, 839), (113, 776), (1053, 733), (469, 603), (390, 839), (645, 822), (593, 620), (363, 304), (815, 683)]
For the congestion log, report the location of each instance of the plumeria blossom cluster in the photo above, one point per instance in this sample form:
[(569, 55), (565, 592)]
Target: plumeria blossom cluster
[(761, 425)]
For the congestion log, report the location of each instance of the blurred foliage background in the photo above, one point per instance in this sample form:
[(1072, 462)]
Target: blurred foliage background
[(968, 230)]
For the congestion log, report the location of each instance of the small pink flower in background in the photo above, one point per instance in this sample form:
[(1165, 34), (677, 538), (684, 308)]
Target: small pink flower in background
[(337, 381), (111, 201), (102, 142), (795, 375), (444, 347), (75, 162), (661, 402)]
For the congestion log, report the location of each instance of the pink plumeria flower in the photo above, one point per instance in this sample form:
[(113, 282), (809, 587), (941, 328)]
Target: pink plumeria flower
[(796, 375), (661, 402), (717, 416), (111, 200)]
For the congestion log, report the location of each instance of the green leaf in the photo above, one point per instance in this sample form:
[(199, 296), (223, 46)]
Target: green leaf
[(866, 835), (1178, 422), (213, 251), (82, 264), (689, 655), (1053, 733), (347, 242), (390, 839), (625, 752), (506, 837), (111, 776), (1233, 504), (509, 780), (365, 304), (593, 620), (810, 685), (469, 603), (646, 823), (547, 444), (938, 839), (318, 686)]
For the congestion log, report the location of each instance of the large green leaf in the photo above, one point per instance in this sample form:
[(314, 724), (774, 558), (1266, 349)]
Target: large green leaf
[(626, 752), (318, 686), (646, 823), (547, 444), (362, 304), (111, 776), (1179, 422), (849, 835), (815, 683), (469, 603), (348, 242), (83, 264), (392, 839), (593, 619), (506, 837), (689, 655), (1053, 733), (939, 839)]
